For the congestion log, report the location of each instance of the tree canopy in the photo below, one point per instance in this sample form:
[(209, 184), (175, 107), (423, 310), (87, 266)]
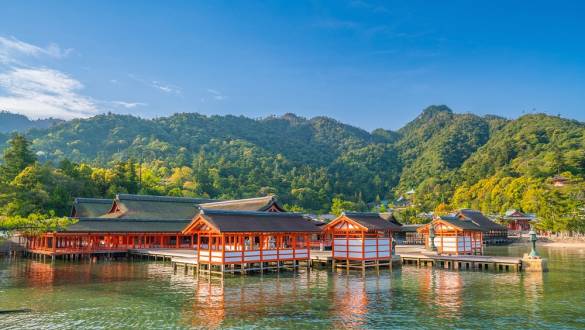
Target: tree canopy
[(317, 165)]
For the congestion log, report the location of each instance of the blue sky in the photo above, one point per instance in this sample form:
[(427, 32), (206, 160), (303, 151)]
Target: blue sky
[(368, 63)]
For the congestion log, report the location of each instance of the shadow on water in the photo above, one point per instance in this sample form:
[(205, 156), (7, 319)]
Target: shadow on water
[(149, 295)]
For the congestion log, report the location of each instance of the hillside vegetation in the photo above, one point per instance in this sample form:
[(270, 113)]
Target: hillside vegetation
[(455, 160), (11, 122)]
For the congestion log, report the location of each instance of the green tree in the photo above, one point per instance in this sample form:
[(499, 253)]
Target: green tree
[(17, 156), (339, 206)]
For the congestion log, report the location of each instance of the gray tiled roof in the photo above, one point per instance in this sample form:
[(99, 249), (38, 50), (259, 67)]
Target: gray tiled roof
[(483, 222), (90, 207), (247, 204), (251, 221), (409, 228), (156, 207), (463, 224), (372, 221)]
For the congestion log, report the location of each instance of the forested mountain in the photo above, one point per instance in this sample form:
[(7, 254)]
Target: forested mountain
[(434, 146), (11, 122), (3, 138), (318, 141), (445, 157), (533, 145)]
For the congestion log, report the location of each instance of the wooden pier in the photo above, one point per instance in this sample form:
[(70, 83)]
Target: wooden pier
[(73, 254), (163, 254), (187, 260), (463, 262)]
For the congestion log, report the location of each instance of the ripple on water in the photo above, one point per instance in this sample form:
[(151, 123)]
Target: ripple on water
[(150, 295)]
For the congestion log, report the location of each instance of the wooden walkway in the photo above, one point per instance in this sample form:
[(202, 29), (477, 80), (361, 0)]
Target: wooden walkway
[(165, 254), (463, 262), (73, 254), (187, 258)]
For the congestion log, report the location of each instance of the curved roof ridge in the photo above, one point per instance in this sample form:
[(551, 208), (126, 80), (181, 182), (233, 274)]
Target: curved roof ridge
[(244, 212), (367, 214), (93, 200), (154, 198), (243, 200), (129, 219)]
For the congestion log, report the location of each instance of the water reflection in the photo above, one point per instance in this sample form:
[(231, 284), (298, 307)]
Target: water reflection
[(350, 301), (36, 274), (209, 308), (217, 302), (442, 290), (533, 291), (150, 295)]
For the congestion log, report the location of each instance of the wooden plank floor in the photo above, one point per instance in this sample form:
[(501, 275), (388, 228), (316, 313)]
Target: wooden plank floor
[(166, 253), (321, 256), (465, 262), (77, 252), (465, 258)]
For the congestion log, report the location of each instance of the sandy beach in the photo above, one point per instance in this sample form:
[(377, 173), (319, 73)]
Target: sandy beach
[(567, 244)]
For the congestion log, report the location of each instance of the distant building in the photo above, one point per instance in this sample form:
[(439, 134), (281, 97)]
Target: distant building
[(326, 217), (402, 202), (517, 220), (426, 215), (453, 236), (459, 233), (493, 233), (408, 235), (559, 181)]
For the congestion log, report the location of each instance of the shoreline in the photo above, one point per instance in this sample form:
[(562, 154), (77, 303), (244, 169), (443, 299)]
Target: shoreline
[(557, 244), (562, 244)]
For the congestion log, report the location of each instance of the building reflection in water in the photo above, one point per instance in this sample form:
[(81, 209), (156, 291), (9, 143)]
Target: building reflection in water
[(442, 290), (217, 302), (35, 274), (350, 301), (356, 297), (209, 308)]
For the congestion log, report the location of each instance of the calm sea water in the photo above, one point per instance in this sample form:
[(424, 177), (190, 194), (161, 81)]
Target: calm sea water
[(147, 295)]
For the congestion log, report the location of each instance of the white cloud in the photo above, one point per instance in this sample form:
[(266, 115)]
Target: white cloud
[(165, 87), (216, 95), (11, 49), (39, 92), (44, 92), (129, 105)]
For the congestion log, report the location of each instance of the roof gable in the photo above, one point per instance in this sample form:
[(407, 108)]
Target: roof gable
[(450, 221), (514, 213), (364, 221), (483, 222), (90, 207)]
